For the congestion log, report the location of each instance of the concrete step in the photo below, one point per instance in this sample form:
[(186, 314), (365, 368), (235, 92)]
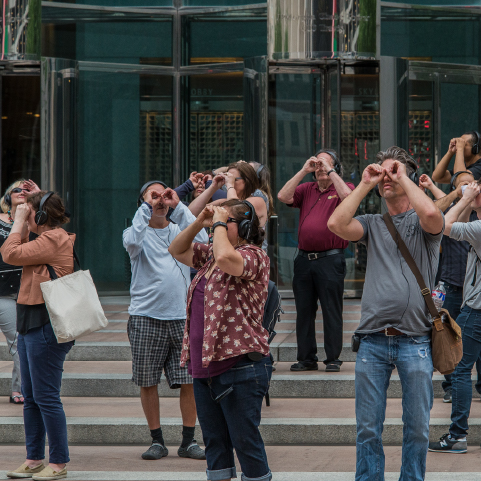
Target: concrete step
[(113, 379), (288, 463), (286, 421)]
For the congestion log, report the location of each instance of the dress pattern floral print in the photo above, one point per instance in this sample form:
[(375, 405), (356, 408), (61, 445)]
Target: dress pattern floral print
[(233, 306)]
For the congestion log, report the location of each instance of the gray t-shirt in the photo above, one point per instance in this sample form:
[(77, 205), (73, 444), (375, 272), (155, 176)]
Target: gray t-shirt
[(392, 297), (471, 232)]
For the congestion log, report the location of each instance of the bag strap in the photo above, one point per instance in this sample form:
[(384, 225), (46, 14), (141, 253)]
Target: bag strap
[(51, 270), (425, 291)]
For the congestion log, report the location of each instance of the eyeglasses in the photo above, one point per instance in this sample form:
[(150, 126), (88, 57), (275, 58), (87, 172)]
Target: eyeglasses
[(17, 190), (231, 219), (239, 178)]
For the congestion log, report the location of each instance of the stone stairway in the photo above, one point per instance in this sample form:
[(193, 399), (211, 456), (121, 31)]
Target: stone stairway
[(310, 426)]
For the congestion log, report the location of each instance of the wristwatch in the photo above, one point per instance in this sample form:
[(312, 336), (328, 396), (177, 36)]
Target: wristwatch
[(332, 170), (217, 224)]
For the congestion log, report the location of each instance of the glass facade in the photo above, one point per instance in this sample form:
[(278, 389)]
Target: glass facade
[(129, 92)]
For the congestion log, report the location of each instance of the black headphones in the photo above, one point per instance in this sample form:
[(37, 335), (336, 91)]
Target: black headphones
[(475, 147), (334, 157), (140, 200), (245, 226), (8, 199), (455, 176), (413, 176), (41, 216)]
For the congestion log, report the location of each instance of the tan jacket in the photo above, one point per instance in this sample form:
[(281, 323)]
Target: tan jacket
[(54, 247)]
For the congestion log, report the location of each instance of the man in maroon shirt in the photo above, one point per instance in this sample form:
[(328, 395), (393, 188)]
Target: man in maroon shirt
[(320, 267)]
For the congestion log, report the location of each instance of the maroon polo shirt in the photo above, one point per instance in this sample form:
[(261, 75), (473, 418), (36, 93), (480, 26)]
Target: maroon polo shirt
[(316, 208)]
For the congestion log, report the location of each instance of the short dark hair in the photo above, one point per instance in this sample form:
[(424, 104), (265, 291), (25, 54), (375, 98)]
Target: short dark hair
[(53, 207), (335, 158), (238, 212), (474, 137), (399, 154)]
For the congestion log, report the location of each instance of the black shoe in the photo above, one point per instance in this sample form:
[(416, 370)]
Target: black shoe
[(448, 445), (333, 367), (156, 451), (448, 396), (193, 450), (301, 366)]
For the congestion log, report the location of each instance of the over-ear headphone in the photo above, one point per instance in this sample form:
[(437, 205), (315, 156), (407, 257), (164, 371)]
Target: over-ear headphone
[(245, 226), (140, 200), (259, 170), (475, 147), (334, 157), (413, 176), (455, 176), (41, 216), (8, 199)]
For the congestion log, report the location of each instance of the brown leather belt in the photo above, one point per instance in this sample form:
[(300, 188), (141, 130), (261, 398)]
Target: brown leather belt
[(391, 331)]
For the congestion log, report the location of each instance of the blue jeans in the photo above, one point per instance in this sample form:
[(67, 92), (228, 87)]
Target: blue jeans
[(453, 302), (377, 357), (470, 323), (234, 421), (41, 365)]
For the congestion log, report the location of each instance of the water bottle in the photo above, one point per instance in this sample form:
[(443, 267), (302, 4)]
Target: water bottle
[(439, 294)]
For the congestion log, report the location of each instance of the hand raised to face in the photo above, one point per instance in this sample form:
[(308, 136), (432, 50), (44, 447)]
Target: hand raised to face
[(206, 216), (472, 191), (220, 214), (373, 174), (170, 198), (218, 181), (397, 170), (311, 165), (22, 212), (425, 181)]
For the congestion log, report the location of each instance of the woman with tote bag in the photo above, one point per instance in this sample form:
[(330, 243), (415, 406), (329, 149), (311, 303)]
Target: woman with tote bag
[(41, 356)]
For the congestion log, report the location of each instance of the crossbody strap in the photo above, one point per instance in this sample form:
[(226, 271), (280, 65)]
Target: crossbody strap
[(425, 291), (51, 270)]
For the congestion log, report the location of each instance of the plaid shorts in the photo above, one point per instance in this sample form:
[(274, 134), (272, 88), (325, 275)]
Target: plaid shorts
[(156, 345)]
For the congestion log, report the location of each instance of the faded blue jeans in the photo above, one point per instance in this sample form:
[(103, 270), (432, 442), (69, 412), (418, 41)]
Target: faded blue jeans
[(41, 363), (377, 357)]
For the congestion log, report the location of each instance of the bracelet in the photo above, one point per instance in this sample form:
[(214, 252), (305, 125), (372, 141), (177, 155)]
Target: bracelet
[(217, 224), (231, 187), (332, 170)]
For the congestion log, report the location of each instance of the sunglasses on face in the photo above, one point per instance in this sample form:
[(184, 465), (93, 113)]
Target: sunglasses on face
[(231, 219), (17, 190)]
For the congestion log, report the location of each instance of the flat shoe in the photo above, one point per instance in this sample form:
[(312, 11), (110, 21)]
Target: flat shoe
[(25, 472), (156, 451), (333, 367), (16, 396), (300, 366), (49, 474), (193, 451)]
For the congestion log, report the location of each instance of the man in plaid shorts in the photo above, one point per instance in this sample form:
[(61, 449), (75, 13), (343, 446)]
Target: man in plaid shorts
[(158, 310)]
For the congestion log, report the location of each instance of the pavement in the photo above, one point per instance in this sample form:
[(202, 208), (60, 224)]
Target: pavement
[(309, 428)]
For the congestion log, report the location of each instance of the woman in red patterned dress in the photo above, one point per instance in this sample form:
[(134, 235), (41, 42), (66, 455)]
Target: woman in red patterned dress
[(225, 344)]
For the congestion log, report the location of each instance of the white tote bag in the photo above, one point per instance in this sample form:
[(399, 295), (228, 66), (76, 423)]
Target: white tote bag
[(73, 305)]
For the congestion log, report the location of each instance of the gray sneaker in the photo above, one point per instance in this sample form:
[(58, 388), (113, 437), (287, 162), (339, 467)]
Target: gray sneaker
[(448, 397), (156, 451), (193, 450), (448, 445)]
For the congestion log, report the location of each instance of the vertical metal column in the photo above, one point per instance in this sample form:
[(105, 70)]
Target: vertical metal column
[(177, 94), (339, 119), (437, 119)]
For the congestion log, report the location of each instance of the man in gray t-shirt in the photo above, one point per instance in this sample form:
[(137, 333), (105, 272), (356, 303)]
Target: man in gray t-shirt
[(395, 326), (459, 228), (391, 296)]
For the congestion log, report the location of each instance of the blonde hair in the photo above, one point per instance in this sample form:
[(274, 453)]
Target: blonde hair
[(5, 207)]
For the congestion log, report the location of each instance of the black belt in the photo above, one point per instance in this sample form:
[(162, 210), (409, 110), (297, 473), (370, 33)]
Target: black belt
[(312, 256)]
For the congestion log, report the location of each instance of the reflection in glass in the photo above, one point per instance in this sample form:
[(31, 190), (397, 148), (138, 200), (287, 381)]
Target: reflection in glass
[(124, 138), (20, 132), (216, 120)]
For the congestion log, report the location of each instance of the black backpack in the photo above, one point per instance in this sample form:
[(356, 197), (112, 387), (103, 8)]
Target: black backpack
[(272, 310)]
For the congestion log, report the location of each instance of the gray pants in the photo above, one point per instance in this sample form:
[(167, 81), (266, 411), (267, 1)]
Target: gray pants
[(8, 325)]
